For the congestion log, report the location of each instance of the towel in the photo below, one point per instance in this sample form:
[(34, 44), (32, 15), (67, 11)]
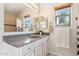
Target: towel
[(62, 37)]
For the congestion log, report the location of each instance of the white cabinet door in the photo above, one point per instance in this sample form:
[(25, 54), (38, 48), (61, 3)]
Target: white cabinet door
[(47, 41), (45, 48), (26, 48), (31, 53), (38, 51)]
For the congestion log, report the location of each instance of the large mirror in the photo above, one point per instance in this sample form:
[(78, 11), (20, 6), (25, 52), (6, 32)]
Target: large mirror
[(14, 17), (41, 23)]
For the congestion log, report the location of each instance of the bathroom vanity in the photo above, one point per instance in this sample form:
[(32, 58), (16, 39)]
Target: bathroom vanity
[(26, 45)]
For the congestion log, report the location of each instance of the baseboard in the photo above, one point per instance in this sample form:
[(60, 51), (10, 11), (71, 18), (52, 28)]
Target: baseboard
[(55, 53)]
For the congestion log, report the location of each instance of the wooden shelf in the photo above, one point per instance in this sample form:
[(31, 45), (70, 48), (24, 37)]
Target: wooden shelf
[(9, 25)]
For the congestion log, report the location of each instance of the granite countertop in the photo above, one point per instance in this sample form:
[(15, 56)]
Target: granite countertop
[(20, 42)]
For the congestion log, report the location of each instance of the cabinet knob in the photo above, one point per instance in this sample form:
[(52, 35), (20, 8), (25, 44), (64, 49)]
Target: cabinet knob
[(29, 48)]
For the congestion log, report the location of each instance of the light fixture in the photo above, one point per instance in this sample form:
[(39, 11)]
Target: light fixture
[(32, 6)]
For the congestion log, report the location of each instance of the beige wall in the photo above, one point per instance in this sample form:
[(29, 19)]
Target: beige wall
[(2, 47), (75, 13), (1, 18), (48, 12), (11, 20), (45, 11)]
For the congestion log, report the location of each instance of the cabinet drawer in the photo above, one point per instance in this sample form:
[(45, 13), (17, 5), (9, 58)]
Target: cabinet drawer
[(38, 50), (25, 49), (38, 42), (31, 53)]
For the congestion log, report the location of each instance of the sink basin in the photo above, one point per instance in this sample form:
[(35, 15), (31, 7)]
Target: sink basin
[(35, 36)]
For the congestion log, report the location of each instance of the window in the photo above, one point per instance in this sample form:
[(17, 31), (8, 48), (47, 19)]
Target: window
[(63, 16), (27, 23)]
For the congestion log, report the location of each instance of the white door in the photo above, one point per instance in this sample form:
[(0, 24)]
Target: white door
[(38, 51)]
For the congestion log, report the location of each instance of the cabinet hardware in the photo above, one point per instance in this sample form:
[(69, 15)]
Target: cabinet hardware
[(29, 48)]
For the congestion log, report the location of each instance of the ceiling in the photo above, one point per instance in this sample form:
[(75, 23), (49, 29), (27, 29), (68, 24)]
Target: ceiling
[(14, 8)]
